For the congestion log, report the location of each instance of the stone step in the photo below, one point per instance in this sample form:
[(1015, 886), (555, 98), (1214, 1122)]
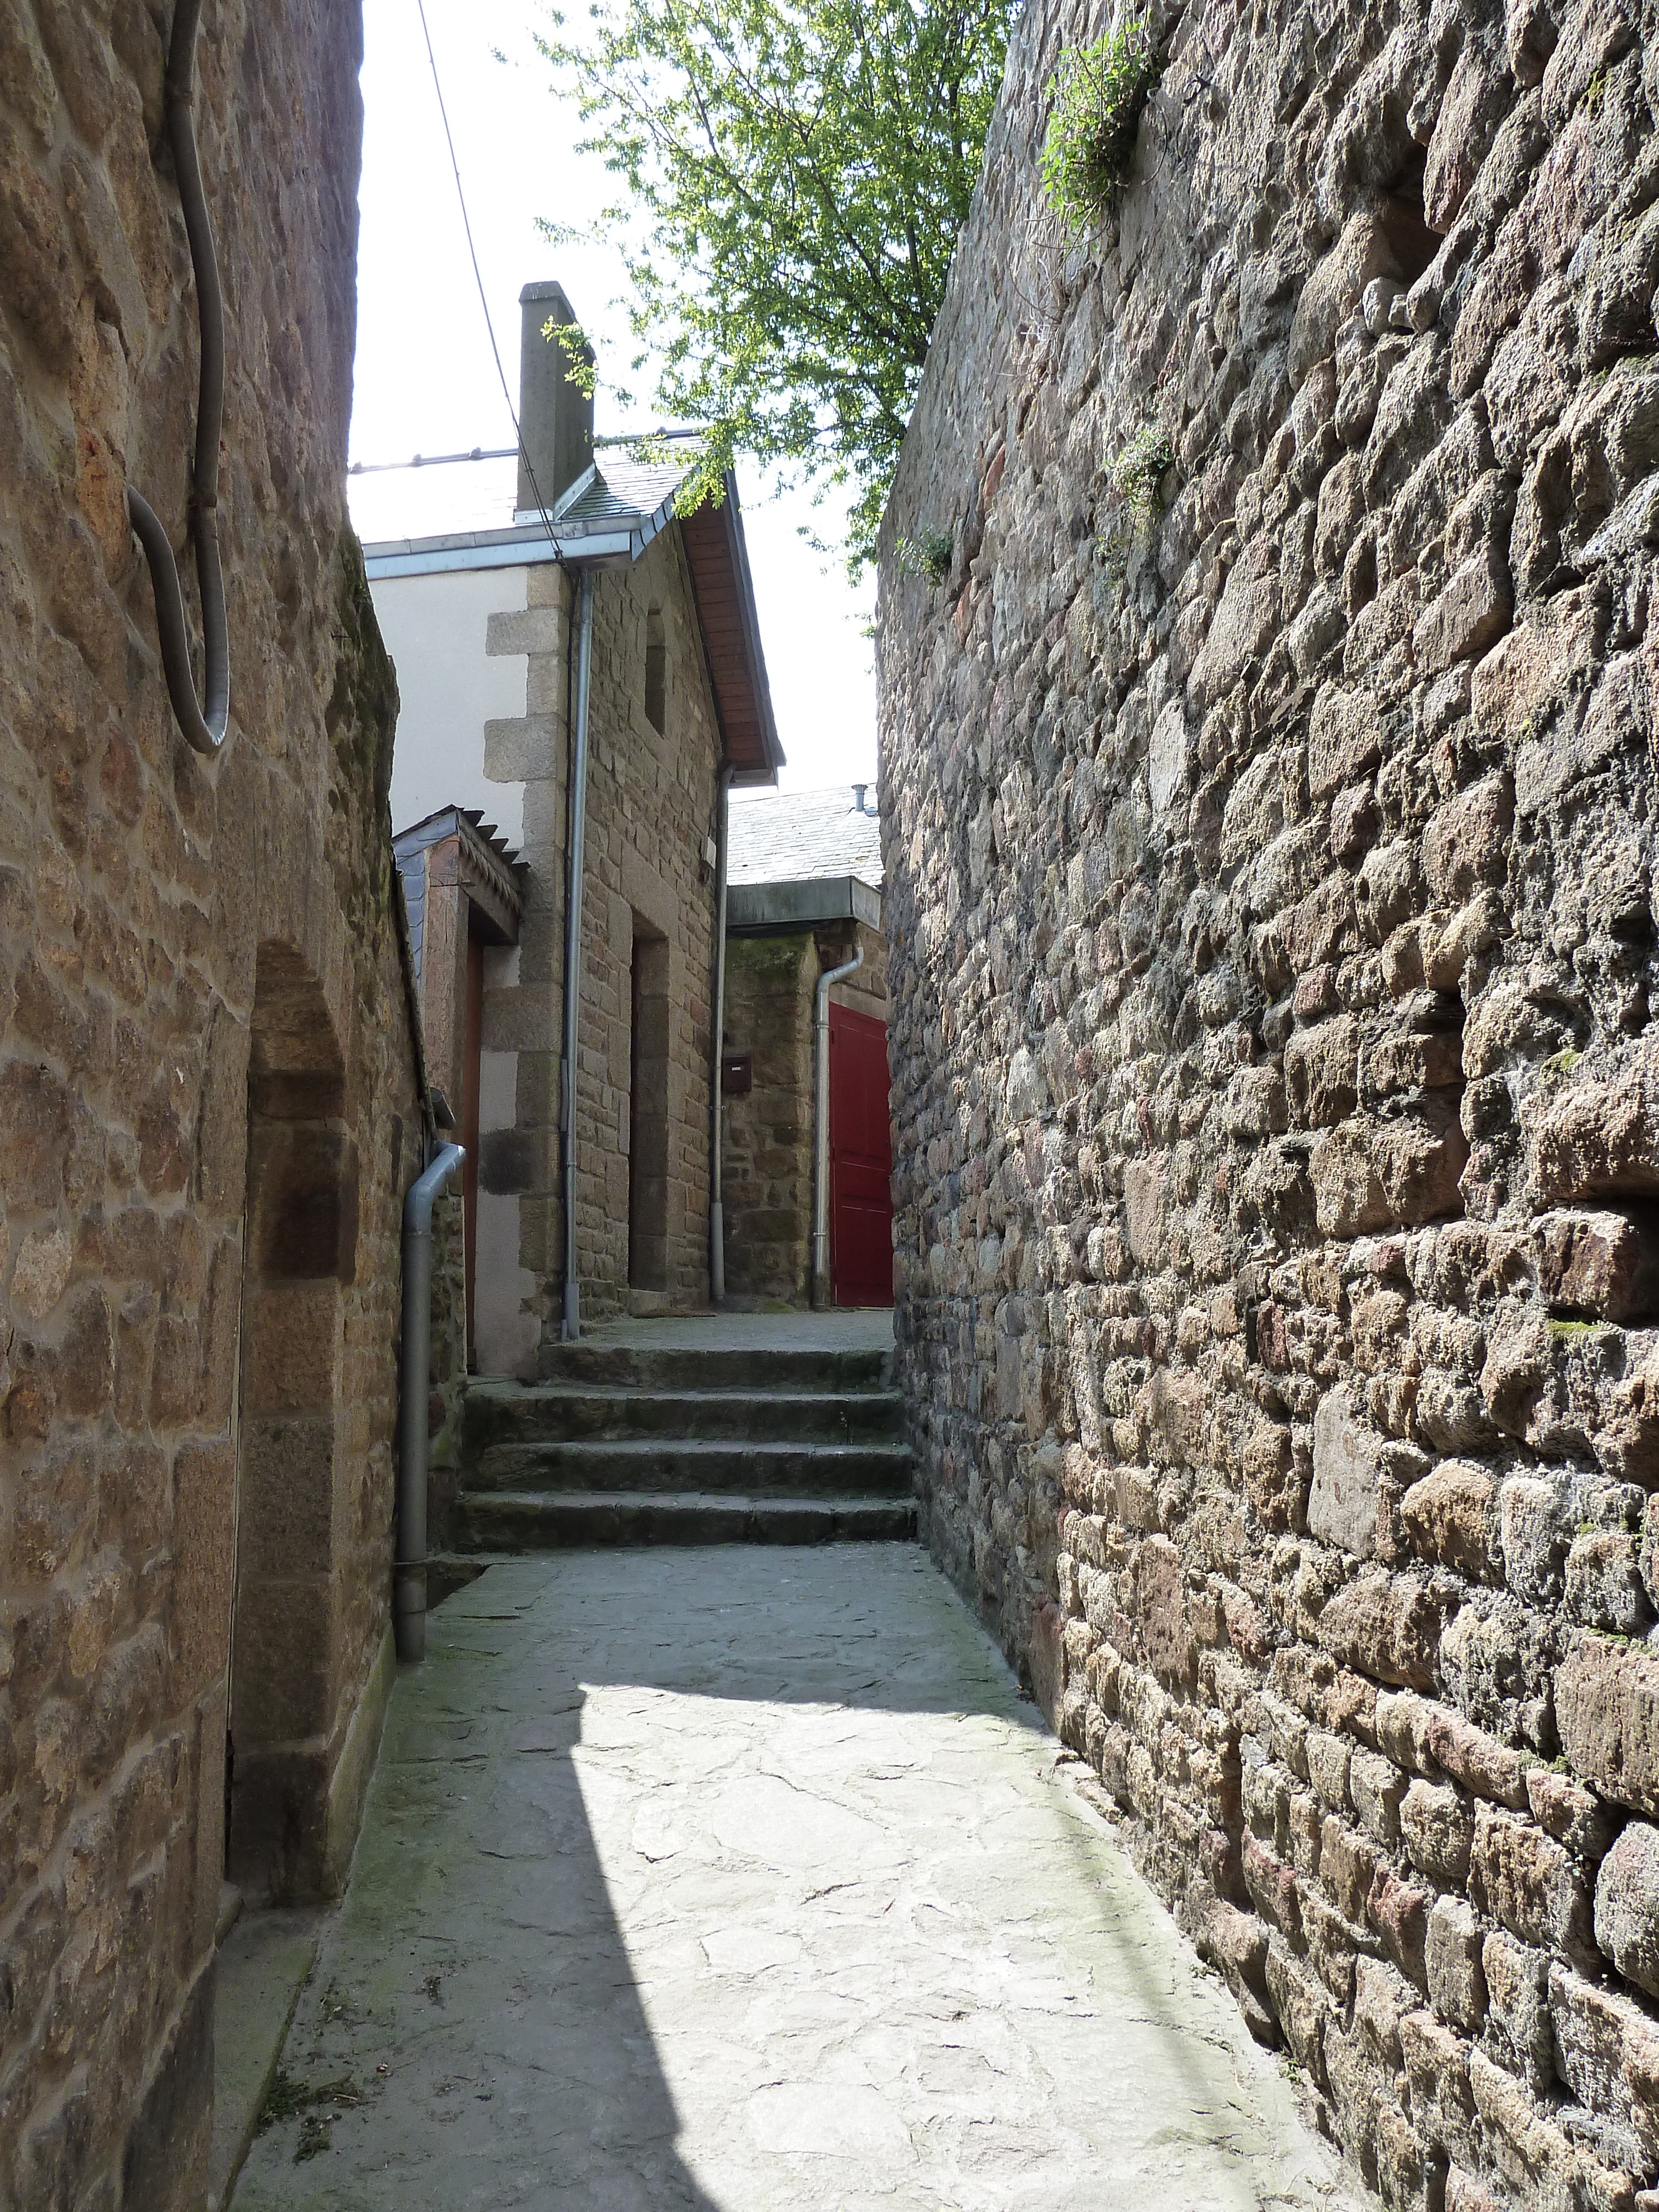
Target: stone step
[(536, 1521), (569, 1412), (648, 1367), (663, 1464)]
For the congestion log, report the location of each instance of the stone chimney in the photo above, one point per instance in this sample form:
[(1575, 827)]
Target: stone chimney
[(555, 418)]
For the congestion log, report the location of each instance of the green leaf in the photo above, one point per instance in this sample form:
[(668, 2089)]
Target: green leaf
[(797, 174)]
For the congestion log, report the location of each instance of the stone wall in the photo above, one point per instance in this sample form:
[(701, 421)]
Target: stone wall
[(766, 1136), (203, 1023), (1270, 879), (650, 813)]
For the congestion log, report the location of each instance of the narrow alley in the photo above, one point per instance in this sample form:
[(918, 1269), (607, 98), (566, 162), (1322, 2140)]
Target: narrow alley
[(743, 1878)]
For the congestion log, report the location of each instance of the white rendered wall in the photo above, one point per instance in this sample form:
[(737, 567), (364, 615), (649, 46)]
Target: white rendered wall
[(448, 688)]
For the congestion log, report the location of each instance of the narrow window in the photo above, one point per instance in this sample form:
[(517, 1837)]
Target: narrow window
[(654, 670)]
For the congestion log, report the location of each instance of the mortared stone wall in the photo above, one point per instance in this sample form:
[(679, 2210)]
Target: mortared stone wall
[(1269, 810)]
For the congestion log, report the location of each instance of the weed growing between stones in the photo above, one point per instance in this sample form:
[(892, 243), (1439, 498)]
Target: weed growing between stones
[(289, 2099), (1135, 478), (1099, 93), (928, 555)]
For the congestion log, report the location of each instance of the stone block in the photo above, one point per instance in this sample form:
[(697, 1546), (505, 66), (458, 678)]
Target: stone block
[(1530, 1883), (1302, 2009), (1608, 2050), (1470, 1756), (1466, 843), (1347, 1867), (1447, 1516), (1345, 740), (1399, 1910), (1322, 1073), (1606, 1702), (1388, 1626), (1517, 1992), (1564, 1808), (1467, 616), (1627, 1906), (1377, 1787), (1350, 1477), (1598, 1135), (1604, 1263), (1533, 1535), (1452, 1948), (1436, 2066), (1437, 1828), (1604, 1586)]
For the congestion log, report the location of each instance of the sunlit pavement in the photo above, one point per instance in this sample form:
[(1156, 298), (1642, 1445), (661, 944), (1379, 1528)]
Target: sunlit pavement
[(743, 1879)]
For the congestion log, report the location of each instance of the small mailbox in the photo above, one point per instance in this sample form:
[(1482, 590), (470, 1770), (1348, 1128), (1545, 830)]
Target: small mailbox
[(736, 1074)]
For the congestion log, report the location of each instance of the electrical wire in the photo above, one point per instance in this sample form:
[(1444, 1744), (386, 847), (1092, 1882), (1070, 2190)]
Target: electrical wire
[(483, 302)]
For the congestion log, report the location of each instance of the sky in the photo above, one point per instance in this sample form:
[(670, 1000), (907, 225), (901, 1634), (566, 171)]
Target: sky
[(426, 378)]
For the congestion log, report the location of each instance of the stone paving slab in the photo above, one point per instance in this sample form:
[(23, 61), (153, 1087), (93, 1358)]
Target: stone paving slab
[(733, 1881)]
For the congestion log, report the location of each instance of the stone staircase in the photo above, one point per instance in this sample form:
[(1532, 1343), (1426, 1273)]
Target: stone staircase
[(632, 1444)]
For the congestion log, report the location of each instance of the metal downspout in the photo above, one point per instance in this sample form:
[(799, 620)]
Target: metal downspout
[(409, 1568), (821, 1288), (716, 1215), (570, 1327)]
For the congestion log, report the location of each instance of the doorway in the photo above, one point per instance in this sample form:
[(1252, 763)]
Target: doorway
[(647, 1110), (299, 1256), (860, 1161)]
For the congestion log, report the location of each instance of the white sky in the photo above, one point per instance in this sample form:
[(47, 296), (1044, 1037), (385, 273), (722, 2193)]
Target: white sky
[(426, 379)]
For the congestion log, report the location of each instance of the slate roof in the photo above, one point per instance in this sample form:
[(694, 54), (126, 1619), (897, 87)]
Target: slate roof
[(618, 489), (801, 836)]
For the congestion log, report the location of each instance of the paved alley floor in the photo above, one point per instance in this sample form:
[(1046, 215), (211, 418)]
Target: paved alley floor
[(743, 1880)]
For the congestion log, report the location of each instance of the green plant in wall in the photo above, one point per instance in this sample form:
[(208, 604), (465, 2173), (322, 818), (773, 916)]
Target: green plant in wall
[(1138, 469), (928, 555), (1100, 91), (1134, 480)]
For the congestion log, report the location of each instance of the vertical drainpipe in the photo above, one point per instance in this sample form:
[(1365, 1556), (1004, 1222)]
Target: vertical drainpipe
[(821, 1286), (716, 1216), (409, 1567), (570, 1328)]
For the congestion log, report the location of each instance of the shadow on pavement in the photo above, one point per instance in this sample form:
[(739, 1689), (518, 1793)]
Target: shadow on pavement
[(477, 2034)]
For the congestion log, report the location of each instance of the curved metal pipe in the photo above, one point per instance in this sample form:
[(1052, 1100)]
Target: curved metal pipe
[(716, 1210), (204, 727), (570, 1327), (408, 1566), (821, 1288)]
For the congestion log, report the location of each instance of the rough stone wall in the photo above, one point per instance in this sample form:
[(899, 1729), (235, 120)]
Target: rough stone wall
[(1270, 881), (184, 942), (651, 808)]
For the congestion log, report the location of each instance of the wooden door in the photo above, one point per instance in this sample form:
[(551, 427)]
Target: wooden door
[(860, 1161)]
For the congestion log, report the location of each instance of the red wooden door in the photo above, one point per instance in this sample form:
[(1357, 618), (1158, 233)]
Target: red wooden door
[(860, 1161)]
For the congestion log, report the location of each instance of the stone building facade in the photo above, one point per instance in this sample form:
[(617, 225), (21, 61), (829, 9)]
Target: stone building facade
[(209, 1095), (804, 896), (678, 691), (1269, 798)]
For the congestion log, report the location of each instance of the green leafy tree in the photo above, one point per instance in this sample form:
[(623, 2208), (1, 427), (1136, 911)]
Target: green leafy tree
[(798, 172)]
